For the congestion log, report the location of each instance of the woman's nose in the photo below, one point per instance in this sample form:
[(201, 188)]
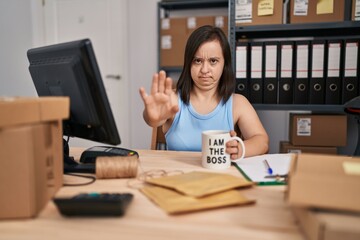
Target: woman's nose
[(205, 67)]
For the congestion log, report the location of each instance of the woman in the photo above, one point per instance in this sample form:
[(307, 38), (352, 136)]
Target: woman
[(204, 99)]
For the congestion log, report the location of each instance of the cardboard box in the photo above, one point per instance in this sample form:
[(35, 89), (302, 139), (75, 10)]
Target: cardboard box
[(287, 147), (175, 32), (314, 13), (325, 182), (196, 22), (328, 225), (31, 153), (173, 39), (275, 15), (317, 130)]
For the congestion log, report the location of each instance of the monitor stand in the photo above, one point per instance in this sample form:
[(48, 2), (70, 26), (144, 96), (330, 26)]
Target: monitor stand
[(72, 166)]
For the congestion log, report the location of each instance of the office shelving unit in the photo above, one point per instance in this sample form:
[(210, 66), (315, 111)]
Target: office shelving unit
[(344, 29), (167, 8)]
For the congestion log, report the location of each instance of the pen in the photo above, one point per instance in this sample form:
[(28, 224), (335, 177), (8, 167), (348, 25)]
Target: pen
[(269, 170)]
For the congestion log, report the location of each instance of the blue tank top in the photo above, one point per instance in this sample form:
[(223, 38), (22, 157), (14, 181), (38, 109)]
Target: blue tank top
[(185, 131)]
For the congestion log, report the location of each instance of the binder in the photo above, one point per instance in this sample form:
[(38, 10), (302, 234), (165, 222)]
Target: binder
[(301, 81), (256, 72), (317, 72), (271, 77), (333, 78), (286, 72), (242, 68), (350, 84)]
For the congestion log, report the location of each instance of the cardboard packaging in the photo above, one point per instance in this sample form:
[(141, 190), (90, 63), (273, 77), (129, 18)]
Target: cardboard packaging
[(287, 147), (328, 225), (261, 14), (317, 130), (172, 42), (325, 182), (31, 153), (196, 22), (175, 32), (318, 12)]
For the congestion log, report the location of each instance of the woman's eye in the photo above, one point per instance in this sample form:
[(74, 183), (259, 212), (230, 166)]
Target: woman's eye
[(197, 61), (213, 61)]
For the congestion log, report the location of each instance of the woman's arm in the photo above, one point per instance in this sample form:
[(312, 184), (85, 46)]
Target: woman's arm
[(255, 137)]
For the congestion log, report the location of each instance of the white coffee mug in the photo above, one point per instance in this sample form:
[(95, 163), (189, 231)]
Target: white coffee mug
[(214, 155)]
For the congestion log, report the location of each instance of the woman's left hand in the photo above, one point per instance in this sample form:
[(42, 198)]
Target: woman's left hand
[(233, 147)]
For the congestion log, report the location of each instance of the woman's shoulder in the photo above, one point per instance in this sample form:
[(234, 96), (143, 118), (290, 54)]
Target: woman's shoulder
[(241, 103), (239, 99)]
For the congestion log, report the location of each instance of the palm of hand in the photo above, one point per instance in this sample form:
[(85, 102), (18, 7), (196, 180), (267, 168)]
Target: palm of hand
[(161, 106)]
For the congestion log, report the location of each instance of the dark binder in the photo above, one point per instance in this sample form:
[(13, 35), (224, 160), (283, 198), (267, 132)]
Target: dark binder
[(286, 72), (242, 68), (301, 82), (256, 72), (271, 73), (317, 72), (333, 77), (350, 83)]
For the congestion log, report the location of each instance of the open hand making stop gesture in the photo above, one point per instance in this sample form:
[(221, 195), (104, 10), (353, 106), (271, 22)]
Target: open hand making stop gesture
[(162, 102)]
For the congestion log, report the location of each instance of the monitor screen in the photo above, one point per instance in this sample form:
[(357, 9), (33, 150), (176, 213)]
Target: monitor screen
[(70, 69)]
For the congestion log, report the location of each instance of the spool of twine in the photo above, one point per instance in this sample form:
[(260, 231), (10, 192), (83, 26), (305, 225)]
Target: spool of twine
[(117, 167)]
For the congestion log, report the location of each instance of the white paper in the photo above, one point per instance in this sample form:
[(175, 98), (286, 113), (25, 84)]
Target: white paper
[(243, 11), (357, 10), (301, 8), (191, 23), (165, 24), (219, 21), (303, 127), (166, 42), (256, 170)]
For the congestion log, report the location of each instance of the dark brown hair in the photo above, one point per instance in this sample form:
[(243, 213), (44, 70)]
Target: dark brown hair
[(203, 34)]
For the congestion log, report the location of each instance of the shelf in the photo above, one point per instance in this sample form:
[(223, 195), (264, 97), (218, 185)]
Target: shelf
[(171, 69), (183, 5), (347, 28), (300, 107), (167, 7)]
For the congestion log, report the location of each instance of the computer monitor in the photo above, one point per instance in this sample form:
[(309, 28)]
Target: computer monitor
[(70, 69)]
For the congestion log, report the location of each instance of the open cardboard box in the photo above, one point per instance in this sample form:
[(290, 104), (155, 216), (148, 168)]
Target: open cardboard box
[(31, 153), (325, 182)]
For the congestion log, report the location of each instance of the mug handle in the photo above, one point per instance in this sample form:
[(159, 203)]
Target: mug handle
[(242, 146)]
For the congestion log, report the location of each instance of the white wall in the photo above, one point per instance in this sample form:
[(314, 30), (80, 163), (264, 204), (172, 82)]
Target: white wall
[(16, 38), (142, 41)]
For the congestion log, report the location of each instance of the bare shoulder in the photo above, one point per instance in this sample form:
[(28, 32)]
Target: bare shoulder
[(241, 106), (240, 101)]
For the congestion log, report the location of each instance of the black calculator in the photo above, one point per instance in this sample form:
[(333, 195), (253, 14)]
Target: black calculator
[(94, 204)]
